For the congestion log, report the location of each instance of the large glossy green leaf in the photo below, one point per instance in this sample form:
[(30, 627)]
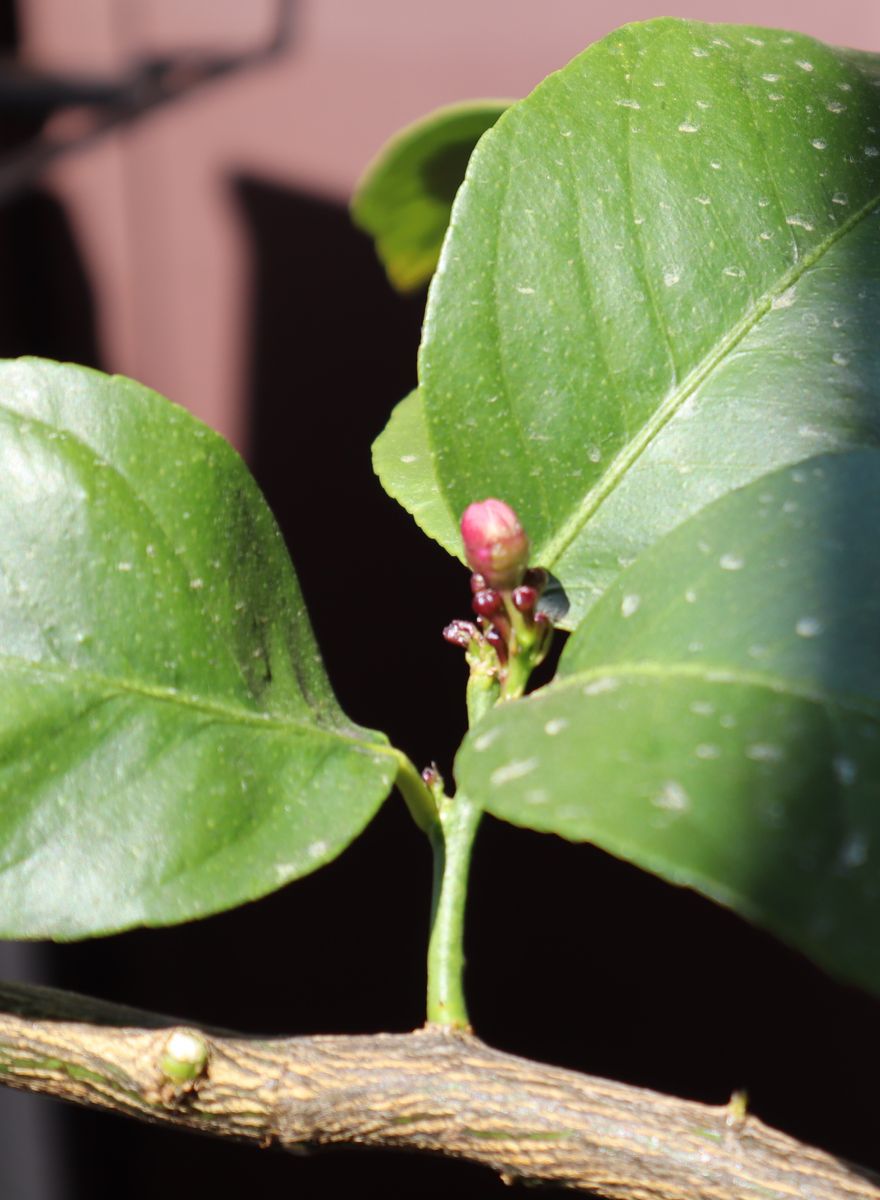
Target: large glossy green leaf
[(662, 280), (405, 196), (169, 744), (718, 716)]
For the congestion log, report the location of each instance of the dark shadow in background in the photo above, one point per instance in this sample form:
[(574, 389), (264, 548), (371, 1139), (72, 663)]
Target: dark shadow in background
[(577, 958)]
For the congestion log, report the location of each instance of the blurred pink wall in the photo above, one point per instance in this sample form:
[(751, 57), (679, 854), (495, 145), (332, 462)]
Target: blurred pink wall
[(151, 208)]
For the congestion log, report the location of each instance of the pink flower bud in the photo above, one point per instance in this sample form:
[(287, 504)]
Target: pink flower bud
[(495, 544)]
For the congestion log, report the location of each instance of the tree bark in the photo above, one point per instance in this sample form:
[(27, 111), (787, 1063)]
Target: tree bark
[(433, 1090)]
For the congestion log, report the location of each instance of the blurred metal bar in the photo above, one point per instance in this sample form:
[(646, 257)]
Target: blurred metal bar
[(107, 104)]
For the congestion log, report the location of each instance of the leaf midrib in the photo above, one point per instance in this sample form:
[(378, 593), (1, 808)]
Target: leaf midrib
[(555, 547), (183, 699), (710, 673)]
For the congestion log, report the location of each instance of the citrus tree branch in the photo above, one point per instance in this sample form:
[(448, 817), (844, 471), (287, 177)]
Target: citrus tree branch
[(438, 1091)]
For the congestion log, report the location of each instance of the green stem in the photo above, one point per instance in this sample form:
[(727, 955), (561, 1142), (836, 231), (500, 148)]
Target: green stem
[(417, 795), (452, 844), (482, 694)]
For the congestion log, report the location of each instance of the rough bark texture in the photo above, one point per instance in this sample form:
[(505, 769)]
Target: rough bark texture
[(435, 1091)]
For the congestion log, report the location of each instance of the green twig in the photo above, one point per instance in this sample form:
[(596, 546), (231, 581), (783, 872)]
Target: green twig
[(452, 844)]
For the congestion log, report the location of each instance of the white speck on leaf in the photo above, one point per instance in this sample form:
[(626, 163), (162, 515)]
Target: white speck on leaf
[(808, 627), (555, 726), (784, 299), (672, 797), (485, 740), (607, 684), (845, 770), (688, 127), (731, 562), (765, 752), (854, 851), (803, 64), (630, 604), (707, 750), (511, 771)]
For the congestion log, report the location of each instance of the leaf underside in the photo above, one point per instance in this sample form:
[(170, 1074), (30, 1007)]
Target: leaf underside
[(169, 744), (405, 197)]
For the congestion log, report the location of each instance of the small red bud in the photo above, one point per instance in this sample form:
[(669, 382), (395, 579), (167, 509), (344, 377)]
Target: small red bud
[(461, 633), (478, 583), (495, 543), (486, 603), (525, 598)]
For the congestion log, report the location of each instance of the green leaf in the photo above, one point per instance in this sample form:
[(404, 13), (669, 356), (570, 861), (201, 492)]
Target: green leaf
[(718, 716), (405, 197), (403, 461), (661, 281), (169, 744)]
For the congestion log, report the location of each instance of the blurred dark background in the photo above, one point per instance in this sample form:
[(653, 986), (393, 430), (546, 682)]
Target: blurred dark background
[(576, 958)]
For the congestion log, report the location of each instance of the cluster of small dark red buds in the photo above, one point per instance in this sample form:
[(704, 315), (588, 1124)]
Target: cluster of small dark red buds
[(510, 636)]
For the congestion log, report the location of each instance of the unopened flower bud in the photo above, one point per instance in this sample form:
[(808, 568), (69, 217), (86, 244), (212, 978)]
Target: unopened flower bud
[(525, 598), (495, 543), (486, 603), (461, 633), (478, 583)]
